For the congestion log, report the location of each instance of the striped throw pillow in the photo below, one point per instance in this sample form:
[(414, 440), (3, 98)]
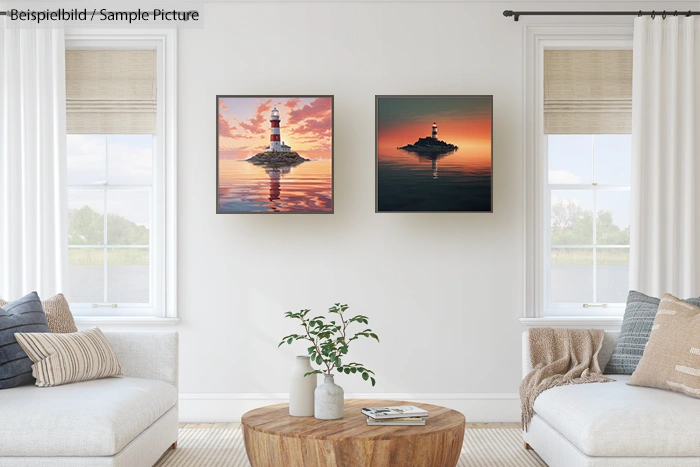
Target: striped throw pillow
[(69, 358), (634, 335), (58, 313), (23, 315), (671, 359)]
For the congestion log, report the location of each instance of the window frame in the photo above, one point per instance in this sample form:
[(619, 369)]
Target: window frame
[(574, 309), (163, 247), (539, 38)]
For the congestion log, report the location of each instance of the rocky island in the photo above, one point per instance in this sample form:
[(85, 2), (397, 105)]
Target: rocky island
[(277, 159), (430, 145)]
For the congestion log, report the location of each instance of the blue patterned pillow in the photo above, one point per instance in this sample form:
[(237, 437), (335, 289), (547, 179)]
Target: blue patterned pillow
[(634, 335), (23, 315)]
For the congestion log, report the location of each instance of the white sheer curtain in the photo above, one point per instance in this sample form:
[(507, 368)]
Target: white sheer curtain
[(665, 228), (33, 218)]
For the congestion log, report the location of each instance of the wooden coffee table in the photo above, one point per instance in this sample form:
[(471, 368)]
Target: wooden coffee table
[(274, 439)]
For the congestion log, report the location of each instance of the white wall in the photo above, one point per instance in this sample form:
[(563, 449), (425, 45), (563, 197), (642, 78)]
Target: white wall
[(443, 291)]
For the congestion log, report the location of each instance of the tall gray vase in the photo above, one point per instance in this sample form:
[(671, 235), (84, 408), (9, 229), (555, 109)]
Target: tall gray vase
[(329, 400)]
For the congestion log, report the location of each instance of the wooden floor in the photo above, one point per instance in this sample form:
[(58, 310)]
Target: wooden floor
[(206, 426)]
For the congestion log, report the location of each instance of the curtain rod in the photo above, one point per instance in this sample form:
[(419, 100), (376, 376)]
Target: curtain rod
[(517, 14)]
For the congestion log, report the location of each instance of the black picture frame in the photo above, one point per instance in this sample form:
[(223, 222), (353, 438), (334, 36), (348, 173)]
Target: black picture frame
[(376, 148), (277, 96)]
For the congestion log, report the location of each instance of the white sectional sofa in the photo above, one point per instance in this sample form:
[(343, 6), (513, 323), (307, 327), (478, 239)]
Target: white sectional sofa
[(125, 421), (612, 424)]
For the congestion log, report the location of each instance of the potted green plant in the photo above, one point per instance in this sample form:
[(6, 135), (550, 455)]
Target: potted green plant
[(330, 342)]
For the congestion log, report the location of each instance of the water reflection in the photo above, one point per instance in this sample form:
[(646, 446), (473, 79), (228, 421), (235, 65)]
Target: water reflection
[(248, 187), (458, 180), (433, 159)]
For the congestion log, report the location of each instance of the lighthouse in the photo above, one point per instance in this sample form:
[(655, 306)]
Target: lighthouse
[(275, 144), (434, 135)]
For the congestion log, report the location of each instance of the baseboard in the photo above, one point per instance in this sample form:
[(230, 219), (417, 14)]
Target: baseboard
[(230, 407)]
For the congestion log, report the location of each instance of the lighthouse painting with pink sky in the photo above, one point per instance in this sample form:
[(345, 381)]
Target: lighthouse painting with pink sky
[(434, 153), (274, 154)]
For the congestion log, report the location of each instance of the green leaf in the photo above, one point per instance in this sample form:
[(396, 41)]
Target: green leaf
[(337, 361), (354, 370), (373, 381), (319, 360), (346, 370), (289, 341), (365, 376)]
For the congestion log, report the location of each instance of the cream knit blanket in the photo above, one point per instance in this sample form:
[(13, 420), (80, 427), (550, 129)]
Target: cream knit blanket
[(560, 357)]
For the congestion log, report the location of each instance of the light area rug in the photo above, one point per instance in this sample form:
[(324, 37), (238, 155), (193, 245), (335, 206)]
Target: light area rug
[(223, 447)]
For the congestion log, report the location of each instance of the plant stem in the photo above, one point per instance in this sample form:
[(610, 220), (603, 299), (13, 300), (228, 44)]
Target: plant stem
[(345, 324), (318, 351)]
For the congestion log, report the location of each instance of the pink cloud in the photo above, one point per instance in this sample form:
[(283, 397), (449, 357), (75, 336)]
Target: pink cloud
[(319, 127), (225, 128), (222, 105), (316, 109), (255, 124), (292, 103)]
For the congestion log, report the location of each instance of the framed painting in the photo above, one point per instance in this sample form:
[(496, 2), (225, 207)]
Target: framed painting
[(274, 154), (434, 153)]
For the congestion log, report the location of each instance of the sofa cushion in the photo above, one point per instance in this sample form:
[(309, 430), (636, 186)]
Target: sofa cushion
[(58, 313), (90, 418), (672, 357), (636, 326), (69, 357), (22, 315), (614, 419)]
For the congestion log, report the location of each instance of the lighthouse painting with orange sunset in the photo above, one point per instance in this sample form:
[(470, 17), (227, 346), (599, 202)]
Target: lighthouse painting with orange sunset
[(274, 154), (434, 153)]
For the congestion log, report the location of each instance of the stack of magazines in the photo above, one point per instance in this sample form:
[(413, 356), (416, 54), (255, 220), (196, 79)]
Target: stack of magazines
[(402, 415)]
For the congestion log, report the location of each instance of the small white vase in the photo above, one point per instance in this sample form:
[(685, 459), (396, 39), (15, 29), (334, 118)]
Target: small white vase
[(301, 389), (330, 400)]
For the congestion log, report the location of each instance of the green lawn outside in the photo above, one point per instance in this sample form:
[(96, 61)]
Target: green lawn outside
[(584, 256), (115, 256)]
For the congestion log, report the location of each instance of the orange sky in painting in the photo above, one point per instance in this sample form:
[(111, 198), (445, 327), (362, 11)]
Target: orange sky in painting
[(403, 121), (306, 124), (463, 133)]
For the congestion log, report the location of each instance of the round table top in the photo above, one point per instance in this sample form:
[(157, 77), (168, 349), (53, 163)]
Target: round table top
[(275, 419)]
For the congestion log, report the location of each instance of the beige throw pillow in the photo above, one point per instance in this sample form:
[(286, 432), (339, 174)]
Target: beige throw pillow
[(58, 314), (671, 359), (68, 358)]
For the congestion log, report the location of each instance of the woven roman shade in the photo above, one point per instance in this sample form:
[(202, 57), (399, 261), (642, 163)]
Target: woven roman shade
[(587, 91), (111, 91)]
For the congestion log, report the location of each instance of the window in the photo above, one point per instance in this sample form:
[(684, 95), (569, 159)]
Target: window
[(588, 202), (121, 173), (578, 166), (110, 214)]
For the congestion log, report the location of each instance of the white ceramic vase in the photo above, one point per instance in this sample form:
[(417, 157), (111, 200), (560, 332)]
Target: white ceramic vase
[(301, 389), (330, 400)]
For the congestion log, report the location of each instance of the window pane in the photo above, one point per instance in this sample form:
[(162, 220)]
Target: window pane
[(85, 217), (86, 159), (128, 275), (572, 217), (612, 274), (128, 218), (613, 159), (86, 275), (613, 219), (570, 159), (130, 160), (571, 275)]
